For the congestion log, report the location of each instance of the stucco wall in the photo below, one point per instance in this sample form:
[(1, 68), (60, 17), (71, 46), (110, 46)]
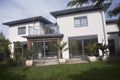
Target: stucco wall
[(13, 32), (112, 27), (96, 22)]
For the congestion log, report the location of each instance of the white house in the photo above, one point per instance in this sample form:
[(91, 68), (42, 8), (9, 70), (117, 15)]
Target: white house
[(86, 25), (79, 25)]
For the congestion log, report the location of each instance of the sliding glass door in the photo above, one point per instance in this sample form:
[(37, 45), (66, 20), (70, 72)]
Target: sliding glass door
[(77, 46), (44, 49)]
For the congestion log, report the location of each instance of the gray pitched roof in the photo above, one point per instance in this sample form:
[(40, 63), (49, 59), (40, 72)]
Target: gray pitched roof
[(39, 18), (80, 10)]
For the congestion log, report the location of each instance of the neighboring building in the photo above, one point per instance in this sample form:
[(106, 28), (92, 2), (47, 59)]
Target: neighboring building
[(78, 25)]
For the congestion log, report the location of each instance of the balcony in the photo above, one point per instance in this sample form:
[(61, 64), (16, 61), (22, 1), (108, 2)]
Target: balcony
[(42, 30)]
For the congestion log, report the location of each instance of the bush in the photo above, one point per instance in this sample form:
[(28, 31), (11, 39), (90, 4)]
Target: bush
[(11, 62), (27, 54)]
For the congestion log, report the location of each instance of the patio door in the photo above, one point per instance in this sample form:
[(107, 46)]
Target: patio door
[(77, 46), (37, 49), (44, 49)]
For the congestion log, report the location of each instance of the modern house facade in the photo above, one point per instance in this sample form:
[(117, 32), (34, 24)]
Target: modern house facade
[(77, 25), (35, 34), (84, 26)]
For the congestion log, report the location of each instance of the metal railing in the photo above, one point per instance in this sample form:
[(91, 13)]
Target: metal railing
[(41, 30)]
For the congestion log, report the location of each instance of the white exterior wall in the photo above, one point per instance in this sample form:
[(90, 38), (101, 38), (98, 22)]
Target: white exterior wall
[(95, 27), (112, 27), (13, 33)]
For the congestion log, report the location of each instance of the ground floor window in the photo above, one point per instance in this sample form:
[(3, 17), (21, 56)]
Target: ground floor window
[(77, 45)]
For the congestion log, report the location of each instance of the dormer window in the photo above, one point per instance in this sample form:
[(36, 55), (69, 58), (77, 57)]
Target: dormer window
[(21, 30), (81, 21)]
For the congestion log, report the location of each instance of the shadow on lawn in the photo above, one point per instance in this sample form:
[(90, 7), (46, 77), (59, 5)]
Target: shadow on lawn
[(110, 71), (7, 74)]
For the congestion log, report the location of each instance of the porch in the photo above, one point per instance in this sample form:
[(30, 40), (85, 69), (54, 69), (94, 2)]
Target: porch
[(42, 46)]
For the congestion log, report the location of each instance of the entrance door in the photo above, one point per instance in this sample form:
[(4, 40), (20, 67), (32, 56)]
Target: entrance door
[(111, 47)]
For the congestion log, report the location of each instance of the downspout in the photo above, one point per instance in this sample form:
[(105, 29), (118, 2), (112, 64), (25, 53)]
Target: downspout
[(103, 23), (104, 31)]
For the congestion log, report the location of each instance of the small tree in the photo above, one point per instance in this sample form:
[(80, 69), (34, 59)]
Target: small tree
[(91, 47), (17, 46), (4, 49), (27, 54), (103, 48), (60, 48)]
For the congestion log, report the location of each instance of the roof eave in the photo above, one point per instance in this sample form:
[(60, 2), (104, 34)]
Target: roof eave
[(39, 18), (75, 10)]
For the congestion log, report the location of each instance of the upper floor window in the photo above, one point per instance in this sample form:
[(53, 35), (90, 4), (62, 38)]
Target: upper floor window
[(21, 30), (81, 21)]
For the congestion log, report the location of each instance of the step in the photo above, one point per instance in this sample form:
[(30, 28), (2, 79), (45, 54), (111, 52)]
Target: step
[(76, 60), (46, 62)]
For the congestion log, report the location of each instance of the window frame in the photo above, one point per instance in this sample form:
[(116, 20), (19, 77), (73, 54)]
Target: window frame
[(80, 21), (21, 29)]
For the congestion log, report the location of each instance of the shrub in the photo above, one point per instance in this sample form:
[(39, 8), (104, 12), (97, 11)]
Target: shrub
[(27, 54), (11, 62)]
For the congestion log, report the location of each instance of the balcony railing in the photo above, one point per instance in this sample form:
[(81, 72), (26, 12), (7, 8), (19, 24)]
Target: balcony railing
[(41, 30)]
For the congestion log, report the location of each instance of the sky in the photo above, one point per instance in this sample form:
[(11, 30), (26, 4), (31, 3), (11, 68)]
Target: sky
[(11, 10)]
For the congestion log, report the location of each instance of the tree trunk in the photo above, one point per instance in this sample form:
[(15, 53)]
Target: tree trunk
[(59, 54)]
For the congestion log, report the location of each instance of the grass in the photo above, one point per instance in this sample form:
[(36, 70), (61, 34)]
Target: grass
[(89, 71)]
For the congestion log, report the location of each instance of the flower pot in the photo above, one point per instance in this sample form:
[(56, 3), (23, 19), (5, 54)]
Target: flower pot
[(62, 61), (104, 58), (92, 58), (29, 62)]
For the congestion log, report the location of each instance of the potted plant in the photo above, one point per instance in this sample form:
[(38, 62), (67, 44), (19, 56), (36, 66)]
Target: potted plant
[(91, 47), (104, 49), (61, 48), (28, 58)]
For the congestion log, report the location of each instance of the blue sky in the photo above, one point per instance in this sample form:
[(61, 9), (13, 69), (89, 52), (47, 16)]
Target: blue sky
[(18, 9)]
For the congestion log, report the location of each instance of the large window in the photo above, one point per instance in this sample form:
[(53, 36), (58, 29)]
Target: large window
[(21, 30), (81, 21), (78, 46), (75, 48)]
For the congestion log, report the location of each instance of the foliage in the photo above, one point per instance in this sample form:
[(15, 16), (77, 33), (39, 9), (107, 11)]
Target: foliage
[(60, 48), (27, 54), (79, 3), (103, 48), (4, 46), (17, 46), (2, 36), (116, 12), (91, 47), (18, 56), (11, 62)]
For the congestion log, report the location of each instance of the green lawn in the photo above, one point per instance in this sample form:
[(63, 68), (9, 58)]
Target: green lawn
[(89, 71)]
